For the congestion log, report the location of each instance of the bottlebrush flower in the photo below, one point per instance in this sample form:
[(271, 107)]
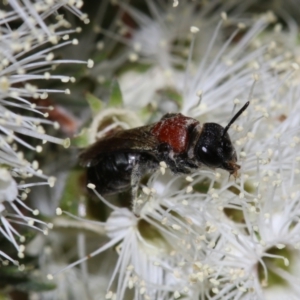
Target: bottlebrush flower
[(30, 34), (205, 236)]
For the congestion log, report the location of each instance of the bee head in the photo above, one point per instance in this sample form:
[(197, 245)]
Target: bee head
[(215, 150), (214, 147)]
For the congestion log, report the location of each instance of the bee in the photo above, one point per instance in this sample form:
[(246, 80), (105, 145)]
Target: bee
[(117, 162)]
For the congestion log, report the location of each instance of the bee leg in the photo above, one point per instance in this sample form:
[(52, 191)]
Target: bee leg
[(135, 180)]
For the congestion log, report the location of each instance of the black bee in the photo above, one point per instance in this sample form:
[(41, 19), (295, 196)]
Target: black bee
[(118, 161)]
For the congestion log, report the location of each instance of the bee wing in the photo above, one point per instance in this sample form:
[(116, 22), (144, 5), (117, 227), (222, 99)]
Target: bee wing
[(136, 140)]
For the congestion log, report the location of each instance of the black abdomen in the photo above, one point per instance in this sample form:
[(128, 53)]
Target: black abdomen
[(113, 172)]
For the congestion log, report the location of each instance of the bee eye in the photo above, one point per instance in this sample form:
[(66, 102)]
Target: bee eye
[(211, 146), (209, 157)]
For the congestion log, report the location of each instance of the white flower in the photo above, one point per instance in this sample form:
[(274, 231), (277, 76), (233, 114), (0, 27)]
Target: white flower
[(117, 118), (206, 236), (8, 186), (143, 247), (146, 87), (138, 266), (164, 38), (160, 47), (29, 37), (263, 237)]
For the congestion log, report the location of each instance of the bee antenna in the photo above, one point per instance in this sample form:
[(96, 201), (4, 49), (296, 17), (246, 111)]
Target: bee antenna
[(241, 110), (235, 117)]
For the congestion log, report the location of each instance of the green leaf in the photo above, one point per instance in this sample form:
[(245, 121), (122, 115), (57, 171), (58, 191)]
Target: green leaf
[(171, 94), (116, 98), (35, 286), (95, 103), (80, 140), (4, 297), (23, 280), (134, 67), (72, 191)]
